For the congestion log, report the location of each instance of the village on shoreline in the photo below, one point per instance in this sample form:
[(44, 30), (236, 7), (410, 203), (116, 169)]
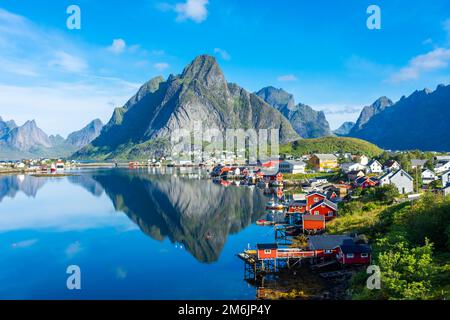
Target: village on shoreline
[(308, 199)]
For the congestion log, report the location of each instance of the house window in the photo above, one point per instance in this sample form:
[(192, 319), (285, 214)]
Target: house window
[(267, 251), (330, 213), (316, 213), (364, 255), (350, 255), (328, 251), (316, 199)]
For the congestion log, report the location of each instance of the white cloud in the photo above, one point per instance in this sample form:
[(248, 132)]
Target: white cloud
[(431, 61), (287, 78), (161, 66), (24, 244), (68, 62), (194, 10), (61, 108), (73, 249), (223, 54), (118, 46)]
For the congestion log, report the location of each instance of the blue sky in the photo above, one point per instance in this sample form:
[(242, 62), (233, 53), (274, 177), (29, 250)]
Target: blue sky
[(321, 51)]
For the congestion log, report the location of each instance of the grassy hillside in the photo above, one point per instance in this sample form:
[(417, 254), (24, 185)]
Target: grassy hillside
[(330, 145), (411, 243)]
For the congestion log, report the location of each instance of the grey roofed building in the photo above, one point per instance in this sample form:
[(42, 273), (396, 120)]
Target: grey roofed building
[(416, 163), (329, 242), (326, 202), (442, 158), (325, 156)]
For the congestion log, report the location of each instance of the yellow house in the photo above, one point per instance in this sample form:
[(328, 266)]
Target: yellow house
[(323, 162)]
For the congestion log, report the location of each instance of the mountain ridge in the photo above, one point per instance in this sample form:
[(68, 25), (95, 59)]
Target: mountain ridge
[(307, 122)]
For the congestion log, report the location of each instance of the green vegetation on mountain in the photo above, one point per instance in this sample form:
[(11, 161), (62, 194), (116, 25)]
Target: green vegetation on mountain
[(330, 145)]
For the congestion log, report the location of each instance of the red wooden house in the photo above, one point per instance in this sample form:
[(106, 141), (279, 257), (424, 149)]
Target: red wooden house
[(267, 251), (354, 254), (312, 223), (297, 207), (366, 182), (324, 208), (314, 198)]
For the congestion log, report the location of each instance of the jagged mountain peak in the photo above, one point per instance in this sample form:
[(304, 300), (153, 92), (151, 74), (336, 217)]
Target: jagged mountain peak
[(307, 122), (200, 94), (278, 98), (382, 102), (204, 68), (86, 135)]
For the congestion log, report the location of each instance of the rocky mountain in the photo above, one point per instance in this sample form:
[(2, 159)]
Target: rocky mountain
[(344, 129), (27, 137), (29, 141), (307, 122), (420, 121), (6, 126), (86, 135), (199, 95), (369, 111)]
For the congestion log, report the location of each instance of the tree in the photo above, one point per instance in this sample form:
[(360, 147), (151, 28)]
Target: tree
[(387, 193)]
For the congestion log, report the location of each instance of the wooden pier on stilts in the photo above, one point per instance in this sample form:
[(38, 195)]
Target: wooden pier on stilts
[(269, 259)]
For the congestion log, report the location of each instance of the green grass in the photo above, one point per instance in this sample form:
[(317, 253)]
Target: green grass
[(330, 145)]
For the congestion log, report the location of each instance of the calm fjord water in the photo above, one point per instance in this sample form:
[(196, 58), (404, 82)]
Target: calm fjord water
[(142, 234)]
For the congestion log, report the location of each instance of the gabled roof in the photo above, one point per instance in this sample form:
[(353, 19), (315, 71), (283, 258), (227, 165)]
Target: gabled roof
[(374, 161), (326, 202), (328, 242), (325, 156), (315, 193), (390, 163), (387, 175), (418, 162), (404, 173), (355, 248)]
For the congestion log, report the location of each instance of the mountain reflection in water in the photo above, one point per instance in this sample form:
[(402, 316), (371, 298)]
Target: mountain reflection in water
[(166, 203)]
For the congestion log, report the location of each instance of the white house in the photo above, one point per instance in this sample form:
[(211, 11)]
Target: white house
[(428, 176), (442, 167), (375, 167), (352, 166), (446, 190), (391, 165), (446, 178), (293, 167), (401, 179), (363, 160)]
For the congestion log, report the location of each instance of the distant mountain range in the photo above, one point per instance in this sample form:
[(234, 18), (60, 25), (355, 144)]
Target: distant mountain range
[(307, 122), (28, 140), (420, 121), (144, 126), (344, 129)]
